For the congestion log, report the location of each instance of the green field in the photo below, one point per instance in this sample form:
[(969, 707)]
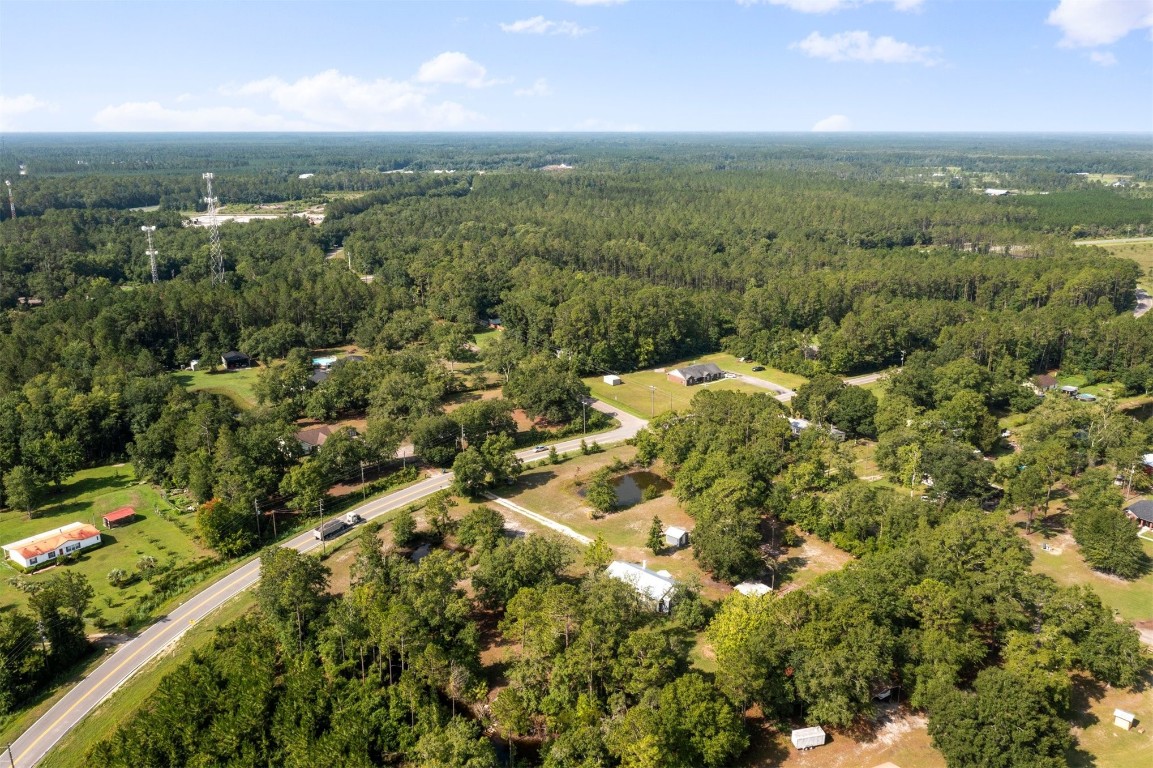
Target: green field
[(84, 498), (235, 385), (636, 397), (1132, 600), (1140, 251), (775, 375), (485, 338)]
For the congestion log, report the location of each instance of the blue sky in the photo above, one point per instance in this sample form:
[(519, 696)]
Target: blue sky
[(599, 65)]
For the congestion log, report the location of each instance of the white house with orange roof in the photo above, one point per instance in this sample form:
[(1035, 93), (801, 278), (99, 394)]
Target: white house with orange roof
[(47, 547)]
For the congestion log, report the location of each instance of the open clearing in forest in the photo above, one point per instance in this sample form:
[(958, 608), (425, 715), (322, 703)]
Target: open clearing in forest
[(235, 385), (1139, 250), (899, 737), (650, 393), (1062, 562), (83, 498)]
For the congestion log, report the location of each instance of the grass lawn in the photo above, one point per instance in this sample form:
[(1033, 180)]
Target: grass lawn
[(485, 339), (84, 498), (235, 385), (1062, 562), (1100, 743), (635, 397), (775, 375), (102, 722), (1140, 252)]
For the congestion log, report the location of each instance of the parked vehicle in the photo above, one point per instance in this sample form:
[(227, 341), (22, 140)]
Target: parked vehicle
[(758, 367)]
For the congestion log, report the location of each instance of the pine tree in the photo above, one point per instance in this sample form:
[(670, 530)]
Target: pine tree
[(656, 541)]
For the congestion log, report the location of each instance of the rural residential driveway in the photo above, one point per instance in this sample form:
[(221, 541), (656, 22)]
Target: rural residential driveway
[(34, 743), (783, 394), (1144, 302)]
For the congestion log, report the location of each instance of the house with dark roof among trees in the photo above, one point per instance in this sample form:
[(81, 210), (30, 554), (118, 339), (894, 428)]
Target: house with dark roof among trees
[(1142, 512), (696, 374), (233, 360)]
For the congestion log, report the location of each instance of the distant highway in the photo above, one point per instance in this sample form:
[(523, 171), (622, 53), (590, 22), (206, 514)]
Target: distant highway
[(31, 747)]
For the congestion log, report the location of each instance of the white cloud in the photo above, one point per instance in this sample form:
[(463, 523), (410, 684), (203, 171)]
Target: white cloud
[(538, 88), (15, 106), (829, 6), (453, 68), (833, 123), (152, 116), (327, 101), (342, 102), (539, 25), (861, 46), (1100, 22), (1105, 59)]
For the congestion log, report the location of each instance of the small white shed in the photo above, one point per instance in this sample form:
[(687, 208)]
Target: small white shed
[(1122, 719), (612, 380), (676, 537), (807, 738)]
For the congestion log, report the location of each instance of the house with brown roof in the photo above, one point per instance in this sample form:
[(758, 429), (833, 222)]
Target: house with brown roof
[(1044, 383), (314, 437)]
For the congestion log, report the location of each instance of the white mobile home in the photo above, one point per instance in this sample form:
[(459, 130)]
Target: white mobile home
[(48, 546)]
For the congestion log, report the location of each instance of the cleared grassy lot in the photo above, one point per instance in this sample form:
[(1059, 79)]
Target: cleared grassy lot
[(648, 393), (1100, 743), (1062, 561), (1139, 250), (235, 385), (771, 374), (159, 531)]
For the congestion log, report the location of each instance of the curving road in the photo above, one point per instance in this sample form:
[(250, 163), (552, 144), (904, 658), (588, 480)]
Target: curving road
[(34, 743)]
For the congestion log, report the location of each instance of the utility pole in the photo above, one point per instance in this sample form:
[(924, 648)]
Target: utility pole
[(10, 758), (652, 401), (256, 506)]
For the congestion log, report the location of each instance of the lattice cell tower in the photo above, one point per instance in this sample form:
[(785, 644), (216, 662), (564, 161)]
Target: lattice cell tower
[(11, 200), (151, 251), (214, 234)]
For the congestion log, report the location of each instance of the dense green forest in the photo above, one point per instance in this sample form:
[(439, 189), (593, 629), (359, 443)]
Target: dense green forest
[(821, 256)]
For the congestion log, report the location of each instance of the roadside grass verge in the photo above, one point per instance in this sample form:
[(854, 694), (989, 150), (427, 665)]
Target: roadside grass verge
[(102, 722)]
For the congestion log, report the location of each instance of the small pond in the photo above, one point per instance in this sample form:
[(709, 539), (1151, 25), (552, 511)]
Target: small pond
[(631, 488)]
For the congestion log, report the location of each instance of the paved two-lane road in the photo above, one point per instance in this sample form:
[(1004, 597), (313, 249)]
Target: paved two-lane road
[(32, 745)]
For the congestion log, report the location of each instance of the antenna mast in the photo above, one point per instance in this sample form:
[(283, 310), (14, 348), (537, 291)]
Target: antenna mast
[(11, 200), (151, 252), (214, 234)]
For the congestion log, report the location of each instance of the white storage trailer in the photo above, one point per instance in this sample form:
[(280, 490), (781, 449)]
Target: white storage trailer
[(336, 526), (807, 738)]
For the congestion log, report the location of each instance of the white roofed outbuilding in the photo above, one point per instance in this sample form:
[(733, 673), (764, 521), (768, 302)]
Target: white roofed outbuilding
[(658, 587)]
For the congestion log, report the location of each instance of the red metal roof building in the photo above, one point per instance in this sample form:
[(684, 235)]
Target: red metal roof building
[(119, 515)]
